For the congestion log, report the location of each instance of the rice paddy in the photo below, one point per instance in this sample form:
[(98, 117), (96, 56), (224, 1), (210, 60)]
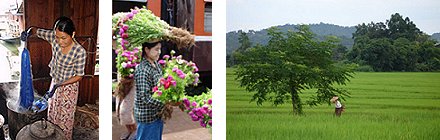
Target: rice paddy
[(397, 105)]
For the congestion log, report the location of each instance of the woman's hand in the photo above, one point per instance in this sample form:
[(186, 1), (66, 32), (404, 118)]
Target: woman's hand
[(27, 33), (71, 80), (166, 112)]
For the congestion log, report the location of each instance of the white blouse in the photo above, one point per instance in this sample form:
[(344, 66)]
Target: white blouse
[(338, 104)]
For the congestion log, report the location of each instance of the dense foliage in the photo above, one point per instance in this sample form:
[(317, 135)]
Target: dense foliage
[(290, 63), (396, 45)]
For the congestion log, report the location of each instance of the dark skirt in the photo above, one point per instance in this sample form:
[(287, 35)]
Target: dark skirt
[(338, 111)]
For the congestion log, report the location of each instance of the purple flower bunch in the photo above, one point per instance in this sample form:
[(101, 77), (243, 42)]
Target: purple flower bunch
[(138, 26), (177, 74), (126, 62), (128, 57), (123, 28), (199, 108)]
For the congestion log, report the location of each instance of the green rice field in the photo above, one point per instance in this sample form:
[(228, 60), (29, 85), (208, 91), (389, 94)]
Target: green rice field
[(394, 105)]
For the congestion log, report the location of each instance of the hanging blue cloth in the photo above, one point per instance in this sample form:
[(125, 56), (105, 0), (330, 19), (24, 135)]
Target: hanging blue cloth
[(26, 87)]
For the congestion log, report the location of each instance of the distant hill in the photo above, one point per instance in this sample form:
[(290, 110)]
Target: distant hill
[(436, 36), (321, 30)]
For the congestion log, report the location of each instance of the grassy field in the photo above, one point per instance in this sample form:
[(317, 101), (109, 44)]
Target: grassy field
[(383, 106)]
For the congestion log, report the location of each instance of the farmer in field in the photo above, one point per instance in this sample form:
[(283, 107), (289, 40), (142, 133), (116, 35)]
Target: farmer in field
[(338, 106)]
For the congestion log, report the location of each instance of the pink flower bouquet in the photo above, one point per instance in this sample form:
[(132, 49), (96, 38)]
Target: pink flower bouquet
[(177, 74)]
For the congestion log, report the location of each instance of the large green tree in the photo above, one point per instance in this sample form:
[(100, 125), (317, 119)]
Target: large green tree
[(402, 28), (397, 45), (290, 63)]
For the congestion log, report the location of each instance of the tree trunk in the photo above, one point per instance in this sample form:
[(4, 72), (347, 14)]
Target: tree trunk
[(296, 103)]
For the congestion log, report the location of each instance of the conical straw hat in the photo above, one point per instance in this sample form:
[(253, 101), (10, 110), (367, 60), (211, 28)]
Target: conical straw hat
[(334, 99)]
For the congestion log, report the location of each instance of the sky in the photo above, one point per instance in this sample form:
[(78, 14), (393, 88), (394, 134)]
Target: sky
[(261, 14)]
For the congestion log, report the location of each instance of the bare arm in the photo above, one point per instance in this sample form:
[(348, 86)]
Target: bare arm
[(71, 80)]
